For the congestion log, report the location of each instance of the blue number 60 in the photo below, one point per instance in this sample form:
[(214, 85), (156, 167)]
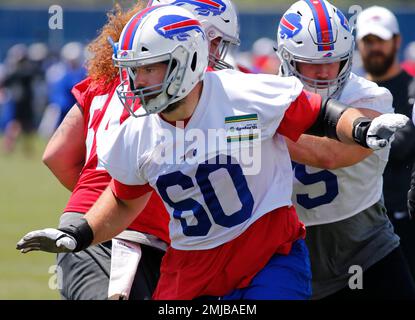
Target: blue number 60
[(203, 225)]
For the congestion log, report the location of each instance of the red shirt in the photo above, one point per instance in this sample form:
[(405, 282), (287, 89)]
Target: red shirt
[(93, 180)]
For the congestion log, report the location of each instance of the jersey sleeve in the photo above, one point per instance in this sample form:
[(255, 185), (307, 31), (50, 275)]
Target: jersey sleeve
[(85, 91), (119, 153), (362, 93), (126, 192), (378, 99), (82, 94), (300, 115)]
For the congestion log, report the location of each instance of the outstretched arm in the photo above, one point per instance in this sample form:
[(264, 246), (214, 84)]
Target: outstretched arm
[(107, 218), (325, 153), (310, 114), (110, 215), (349, 125)]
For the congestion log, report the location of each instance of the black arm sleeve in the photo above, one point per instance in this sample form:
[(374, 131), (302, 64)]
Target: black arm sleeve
[(82, 233), (326, 122)]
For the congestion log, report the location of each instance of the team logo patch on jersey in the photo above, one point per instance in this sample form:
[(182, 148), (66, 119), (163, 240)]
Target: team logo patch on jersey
[(178, 27), (248, 117), (242, 128), (290, 25), (204, 7), (343, 20)]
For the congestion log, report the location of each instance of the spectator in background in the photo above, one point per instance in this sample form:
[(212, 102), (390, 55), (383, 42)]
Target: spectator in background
[(264, 59), (38, 54), (379, 42), (4, 98), (19, 98), (411, 192), (409, 59), (61, 77)]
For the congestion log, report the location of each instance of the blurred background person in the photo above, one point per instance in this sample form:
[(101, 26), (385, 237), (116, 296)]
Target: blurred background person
[(409, 59), (379, 42), (264, 59), (4, 98), (17, 83), (61, 77), (39, 55), (411, 192)]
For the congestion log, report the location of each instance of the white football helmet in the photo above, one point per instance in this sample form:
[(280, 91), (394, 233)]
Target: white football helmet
[(316, 32), (156, 34), (219, 19)]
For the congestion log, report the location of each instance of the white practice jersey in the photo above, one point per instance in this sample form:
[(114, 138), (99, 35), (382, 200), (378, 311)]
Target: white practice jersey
[(225, 170), (327, 196)]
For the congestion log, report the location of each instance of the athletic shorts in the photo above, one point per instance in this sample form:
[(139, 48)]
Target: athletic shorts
[(285, 277)]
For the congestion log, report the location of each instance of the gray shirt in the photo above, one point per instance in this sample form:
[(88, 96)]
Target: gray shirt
[(361, 240)]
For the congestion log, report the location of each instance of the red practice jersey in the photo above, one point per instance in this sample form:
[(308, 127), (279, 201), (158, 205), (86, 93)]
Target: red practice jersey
[(94, 100)]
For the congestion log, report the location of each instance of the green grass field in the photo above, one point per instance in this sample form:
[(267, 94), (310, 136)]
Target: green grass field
[(30, 198)]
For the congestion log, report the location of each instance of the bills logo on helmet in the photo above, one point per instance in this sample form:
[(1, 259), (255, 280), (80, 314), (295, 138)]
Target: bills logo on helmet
[(290, 25), (343, 20), (174, 26), (204, 7), (125, 54)]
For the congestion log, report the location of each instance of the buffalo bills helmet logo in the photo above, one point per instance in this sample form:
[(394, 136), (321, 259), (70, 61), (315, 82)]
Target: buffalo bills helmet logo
[(174, 26), (290, 25), (343, 20), (204, 7)]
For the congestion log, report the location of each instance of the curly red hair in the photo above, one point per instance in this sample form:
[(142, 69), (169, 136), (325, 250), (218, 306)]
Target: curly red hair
[(100, 66)]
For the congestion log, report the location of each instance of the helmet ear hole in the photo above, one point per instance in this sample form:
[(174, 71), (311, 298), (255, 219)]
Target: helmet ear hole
[(194, 62)]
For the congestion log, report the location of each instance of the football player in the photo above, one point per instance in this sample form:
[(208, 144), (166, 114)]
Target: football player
[(72, 158), (338, 187), (71, 155)]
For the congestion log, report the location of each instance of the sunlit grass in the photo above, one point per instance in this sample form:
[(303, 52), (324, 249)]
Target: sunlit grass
[(30, 198)]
